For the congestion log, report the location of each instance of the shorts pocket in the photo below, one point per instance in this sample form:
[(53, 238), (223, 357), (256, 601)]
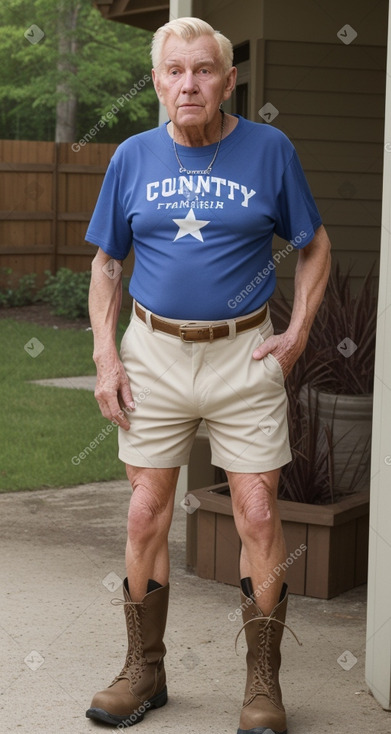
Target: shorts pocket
[(276, 366)]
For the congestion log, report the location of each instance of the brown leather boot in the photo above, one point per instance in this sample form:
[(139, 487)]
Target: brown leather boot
[(141, 684), (263, 711)]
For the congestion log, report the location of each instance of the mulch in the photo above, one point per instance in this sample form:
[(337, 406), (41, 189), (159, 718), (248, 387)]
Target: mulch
[(40, 313)]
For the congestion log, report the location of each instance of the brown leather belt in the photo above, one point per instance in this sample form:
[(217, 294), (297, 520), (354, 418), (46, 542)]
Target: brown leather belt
[(191, 332)]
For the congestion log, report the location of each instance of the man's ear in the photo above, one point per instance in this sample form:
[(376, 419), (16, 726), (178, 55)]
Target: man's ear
[(230, 83), (156, 84)]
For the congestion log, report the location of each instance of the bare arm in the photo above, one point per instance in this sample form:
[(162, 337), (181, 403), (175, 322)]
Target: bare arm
[(312, 272), (112, 388)]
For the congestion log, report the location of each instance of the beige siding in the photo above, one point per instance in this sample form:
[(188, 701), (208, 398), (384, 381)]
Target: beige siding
[(331, 105), (320, 20)]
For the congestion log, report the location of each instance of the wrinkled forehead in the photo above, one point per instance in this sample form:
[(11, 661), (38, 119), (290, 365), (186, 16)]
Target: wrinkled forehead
[(194, 51)]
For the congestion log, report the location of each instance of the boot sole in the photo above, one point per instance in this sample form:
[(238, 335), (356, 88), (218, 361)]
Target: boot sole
[(261, 730), (156, 702)]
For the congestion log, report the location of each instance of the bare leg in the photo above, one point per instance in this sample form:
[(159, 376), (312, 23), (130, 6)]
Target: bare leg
[(254, 500), (150, 514), (143, 676)]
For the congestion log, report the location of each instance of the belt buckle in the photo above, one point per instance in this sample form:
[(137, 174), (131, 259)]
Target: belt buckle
[(191, 325)]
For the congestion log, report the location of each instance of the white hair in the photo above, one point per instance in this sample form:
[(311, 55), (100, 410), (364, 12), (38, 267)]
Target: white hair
[(189, 28)]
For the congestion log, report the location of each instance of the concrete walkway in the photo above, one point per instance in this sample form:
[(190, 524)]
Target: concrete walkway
[(61, 639), (73, 383)]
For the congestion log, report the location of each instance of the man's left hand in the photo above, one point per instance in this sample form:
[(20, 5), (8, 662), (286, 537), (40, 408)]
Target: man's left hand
[(284, 350)]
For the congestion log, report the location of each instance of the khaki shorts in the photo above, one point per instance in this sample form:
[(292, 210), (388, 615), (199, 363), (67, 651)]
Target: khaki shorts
[(176, 384)]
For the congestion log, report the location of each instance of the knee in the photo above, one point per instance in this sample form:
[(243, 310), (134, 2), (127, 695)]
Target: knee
[(144, 512), (256, 511), (151, 505), (148, 512)]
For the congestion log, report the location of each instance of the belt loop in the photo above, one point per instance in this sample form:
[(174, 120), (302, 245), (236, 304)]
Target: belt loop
[(148, 320), (232, 329)]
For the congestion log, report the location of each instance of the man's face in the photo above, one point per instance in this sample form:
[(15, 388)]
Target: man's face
[(190, 80)]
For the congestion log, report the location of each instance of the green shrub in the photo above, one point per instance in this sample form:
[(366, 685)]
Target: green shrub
[(21, 293), (67, 293)]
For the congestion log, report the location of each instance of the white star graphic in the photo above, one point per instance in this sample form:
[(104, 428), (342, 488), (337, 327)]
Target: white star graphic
[(190, 225)]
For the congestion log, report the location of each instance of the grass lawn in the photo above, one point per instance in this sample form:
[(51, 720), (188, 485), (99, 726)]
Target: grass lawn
[(43, 428)]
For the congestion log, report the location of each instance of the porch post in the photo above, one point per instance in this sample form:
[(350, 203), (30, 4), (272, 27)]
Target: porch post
[(378, 653), (181, 9)]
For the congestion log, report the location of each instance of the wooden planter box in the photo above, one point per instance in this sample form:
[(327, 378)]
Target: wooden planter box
[(336, 539)]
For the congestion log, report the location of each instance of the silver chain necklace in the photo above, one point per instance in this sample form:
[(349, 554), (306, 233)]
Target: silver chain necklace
[(182, 168)]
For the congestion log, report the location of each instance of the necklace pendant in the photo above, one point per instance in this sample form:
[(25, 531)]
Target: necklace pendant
[(195, 173), (208, 170)]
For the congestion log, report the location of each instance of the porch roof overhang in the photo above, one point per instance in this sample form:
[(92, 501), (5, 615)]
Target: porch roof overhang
[(150, 14)]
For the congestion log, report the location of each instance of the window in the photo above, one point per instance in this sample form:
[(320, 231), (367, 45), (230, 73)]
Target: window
[(240, 97)]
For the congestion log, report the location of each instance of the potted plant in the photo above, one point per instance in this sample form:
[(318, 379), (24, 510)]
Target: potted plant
[(335, 374), (325, 519)]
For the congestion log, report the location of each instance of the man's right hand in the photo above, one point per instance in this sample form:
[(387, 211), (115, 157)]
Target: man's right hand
[(113, 391)]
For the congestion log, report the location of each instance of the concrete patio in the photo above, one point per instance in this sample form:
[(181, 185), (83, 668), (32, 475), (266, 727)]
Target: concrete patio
[(61, 639)]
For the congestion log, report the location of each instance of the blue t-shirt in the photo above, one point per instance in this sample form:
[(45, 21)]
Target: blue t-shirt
[(203, 243)]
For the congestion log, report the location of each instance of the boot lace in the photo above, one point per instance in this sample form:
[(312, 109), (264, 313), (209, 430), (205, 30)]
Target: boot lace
[(263, 681), (135, 662)]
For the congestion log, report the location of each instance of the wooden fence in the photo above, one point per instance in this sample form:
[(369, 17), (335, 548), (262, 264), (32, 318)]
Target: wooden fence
[(47, 195)]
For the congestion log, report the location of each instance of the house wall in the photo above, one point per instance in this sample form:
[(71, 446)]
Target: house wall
[(330, 101), (331, 105)]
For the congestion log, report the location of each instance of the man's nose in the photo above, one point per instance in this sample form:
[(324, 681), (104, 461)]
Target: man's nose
[(189, 82)]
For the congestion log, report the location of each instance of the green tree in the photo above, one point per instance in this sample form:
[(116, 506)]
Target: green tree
[(63, 67)]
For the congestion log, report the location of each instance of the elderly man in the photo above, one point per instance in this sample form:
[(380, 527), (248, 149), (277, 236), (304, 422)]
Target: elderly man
[(200, 198)]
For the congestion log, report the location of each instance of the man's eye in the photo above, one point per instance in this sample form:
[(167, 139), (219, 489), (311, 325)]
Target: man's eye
[(204, 71)]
